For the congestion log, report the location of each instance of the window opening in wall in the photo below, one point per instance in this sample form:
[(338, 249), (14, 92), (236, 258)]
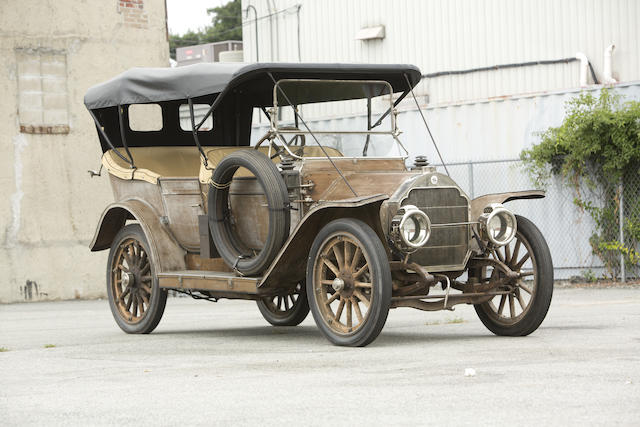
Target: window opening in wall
[(43, 106)]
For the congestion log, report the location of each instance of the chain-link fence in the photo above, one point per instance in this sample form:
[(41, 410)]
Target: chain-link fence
[(588, 234), (616, 237)]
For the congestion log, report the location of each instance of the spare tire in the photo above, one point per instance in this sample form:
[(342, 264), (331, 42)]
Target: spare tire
[(230, 247)]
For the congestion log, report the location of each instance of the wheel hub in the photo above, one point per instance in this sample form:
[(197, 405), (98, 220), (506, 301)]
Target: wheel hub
[(338, 284), (128, 279)]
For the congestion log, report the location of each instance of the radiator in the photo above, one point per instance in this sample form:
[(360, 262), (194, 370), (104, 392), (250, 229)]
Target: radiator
[(448, 247)]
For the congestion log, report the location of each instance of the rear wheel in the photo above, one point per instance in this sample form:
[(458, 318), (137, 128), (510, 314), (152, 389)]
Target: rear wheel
[(521, 311), (286, 310), (137, 302), (349, 282)]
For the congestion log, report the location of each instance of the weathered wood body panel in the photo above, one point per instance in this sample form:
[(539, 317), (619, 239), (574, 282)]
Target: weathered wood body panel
[(182, 202), (366, 177)]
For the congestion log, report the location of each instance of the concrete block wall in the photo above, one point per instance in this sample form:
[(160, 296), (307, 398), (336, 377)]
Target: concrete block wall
[(52, 51)]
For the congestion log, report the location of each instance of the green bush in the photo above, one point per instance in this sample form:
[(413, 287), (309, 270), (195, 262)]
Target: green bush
[(596, 151)]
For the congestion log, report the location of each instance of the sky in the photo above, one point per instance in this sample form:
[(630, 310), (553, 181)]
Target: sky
[(189, 14)]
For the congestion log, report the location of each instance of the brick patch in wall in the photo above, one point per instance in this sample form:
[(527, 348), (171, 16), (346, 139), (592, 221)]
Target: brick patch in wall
[(133, 14)]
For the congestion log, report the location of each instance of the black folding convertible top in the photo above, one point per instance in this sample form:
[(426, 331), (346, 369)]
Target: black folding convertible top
[(147, 85), (232, 90)]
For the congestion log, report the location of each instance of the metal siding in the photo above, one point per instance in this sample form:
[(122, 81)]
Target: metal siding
[(442, 35)]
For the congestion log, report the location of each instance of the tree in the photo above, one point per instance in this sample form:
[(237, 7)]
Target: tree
[(226, 24)]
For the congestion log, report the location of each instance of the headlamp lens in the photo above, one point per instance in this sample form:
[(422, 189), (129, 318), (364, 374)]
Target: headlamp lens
[(415, 227), (500, 224)]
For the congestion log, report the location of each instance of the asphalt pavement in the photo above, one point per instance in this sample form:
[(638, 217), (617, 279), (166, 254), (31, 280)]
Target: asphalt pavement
[(67, 363)]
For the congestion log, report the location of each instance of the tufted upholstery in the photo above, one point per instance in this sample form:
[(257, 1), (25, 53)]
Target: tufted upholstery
[(155, 162)]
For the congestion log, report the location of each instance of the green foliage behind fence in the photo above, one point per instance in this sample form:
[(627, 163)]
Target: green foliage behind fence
[(596, 151)]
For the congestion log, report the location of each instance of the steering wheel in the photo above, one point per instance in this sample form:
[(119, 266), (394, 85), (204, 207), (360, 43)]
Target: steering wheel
[(278, 149), (282, 147)]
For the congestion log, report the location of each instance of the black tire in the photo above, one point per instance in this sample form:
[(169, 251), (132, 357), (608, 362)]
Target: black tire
[(541, 286), (376, 297), (130, 244), (286, 310), (230, 247)]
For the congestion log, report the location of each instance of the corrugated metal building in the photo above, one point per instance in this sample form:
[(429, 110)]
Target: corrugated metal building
[(482, 120), (443, 35)]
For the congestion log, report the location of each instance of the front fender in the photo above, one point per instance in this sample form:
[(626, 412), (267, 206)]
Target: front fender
[(289, 266), (478, 204), (166, 252)]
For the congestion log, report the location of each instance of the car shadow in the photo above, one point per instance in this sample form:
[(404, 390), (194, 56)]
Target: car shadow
[(574, 327), (311, 335)]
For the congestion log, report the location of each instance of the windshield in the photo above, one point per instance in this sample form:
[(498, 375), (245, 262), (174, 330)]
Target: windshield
[(353, 118)]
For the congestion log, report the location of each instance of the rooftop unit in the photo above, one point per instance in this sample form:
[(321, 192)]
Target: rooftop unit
[(208, 52)]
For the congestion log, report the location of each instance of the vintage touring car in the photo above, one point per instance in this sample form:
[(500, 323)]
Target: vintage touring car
[(331, 220)]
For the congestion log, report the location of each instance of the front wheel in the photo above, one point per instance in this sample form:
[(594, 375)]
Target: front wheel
[(349, 283), (521, 311)]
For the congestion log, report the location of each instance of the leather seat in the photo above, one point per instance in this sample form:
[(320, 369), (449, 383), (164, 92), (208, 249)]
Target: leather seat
[(156, 162)]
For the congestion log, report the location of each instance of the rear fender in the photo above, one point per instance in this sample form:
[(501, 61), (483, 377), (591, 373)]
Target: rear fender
[(166, 252), (289, 266), (479, 203)]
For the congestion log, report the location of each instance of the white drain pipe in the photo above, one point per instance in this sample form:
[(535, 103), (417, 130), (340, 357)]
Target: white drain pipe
[(584, 68), (608, 73)]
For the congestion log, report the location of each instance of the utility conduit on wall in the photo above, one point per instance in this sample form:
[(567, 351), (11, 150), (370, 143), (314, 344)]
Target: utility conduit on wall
[(517, 65)]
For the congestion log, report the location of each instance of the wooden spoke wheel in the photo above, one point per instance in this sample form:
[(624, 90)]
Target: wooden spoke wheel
[(349, 282), (137, 303), (286, 310), (344, 283), (524, 307)]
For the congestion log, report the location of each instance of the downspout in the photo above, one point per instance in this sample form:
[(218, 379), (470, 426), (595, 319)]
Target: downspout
[(255, 13), (608, 73), (584, 68), (275, 16), (298, 18), (270, 30)]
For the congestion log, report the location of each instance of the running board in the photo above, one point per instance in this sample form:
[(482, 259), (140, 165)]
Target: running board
[(209, 281)]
